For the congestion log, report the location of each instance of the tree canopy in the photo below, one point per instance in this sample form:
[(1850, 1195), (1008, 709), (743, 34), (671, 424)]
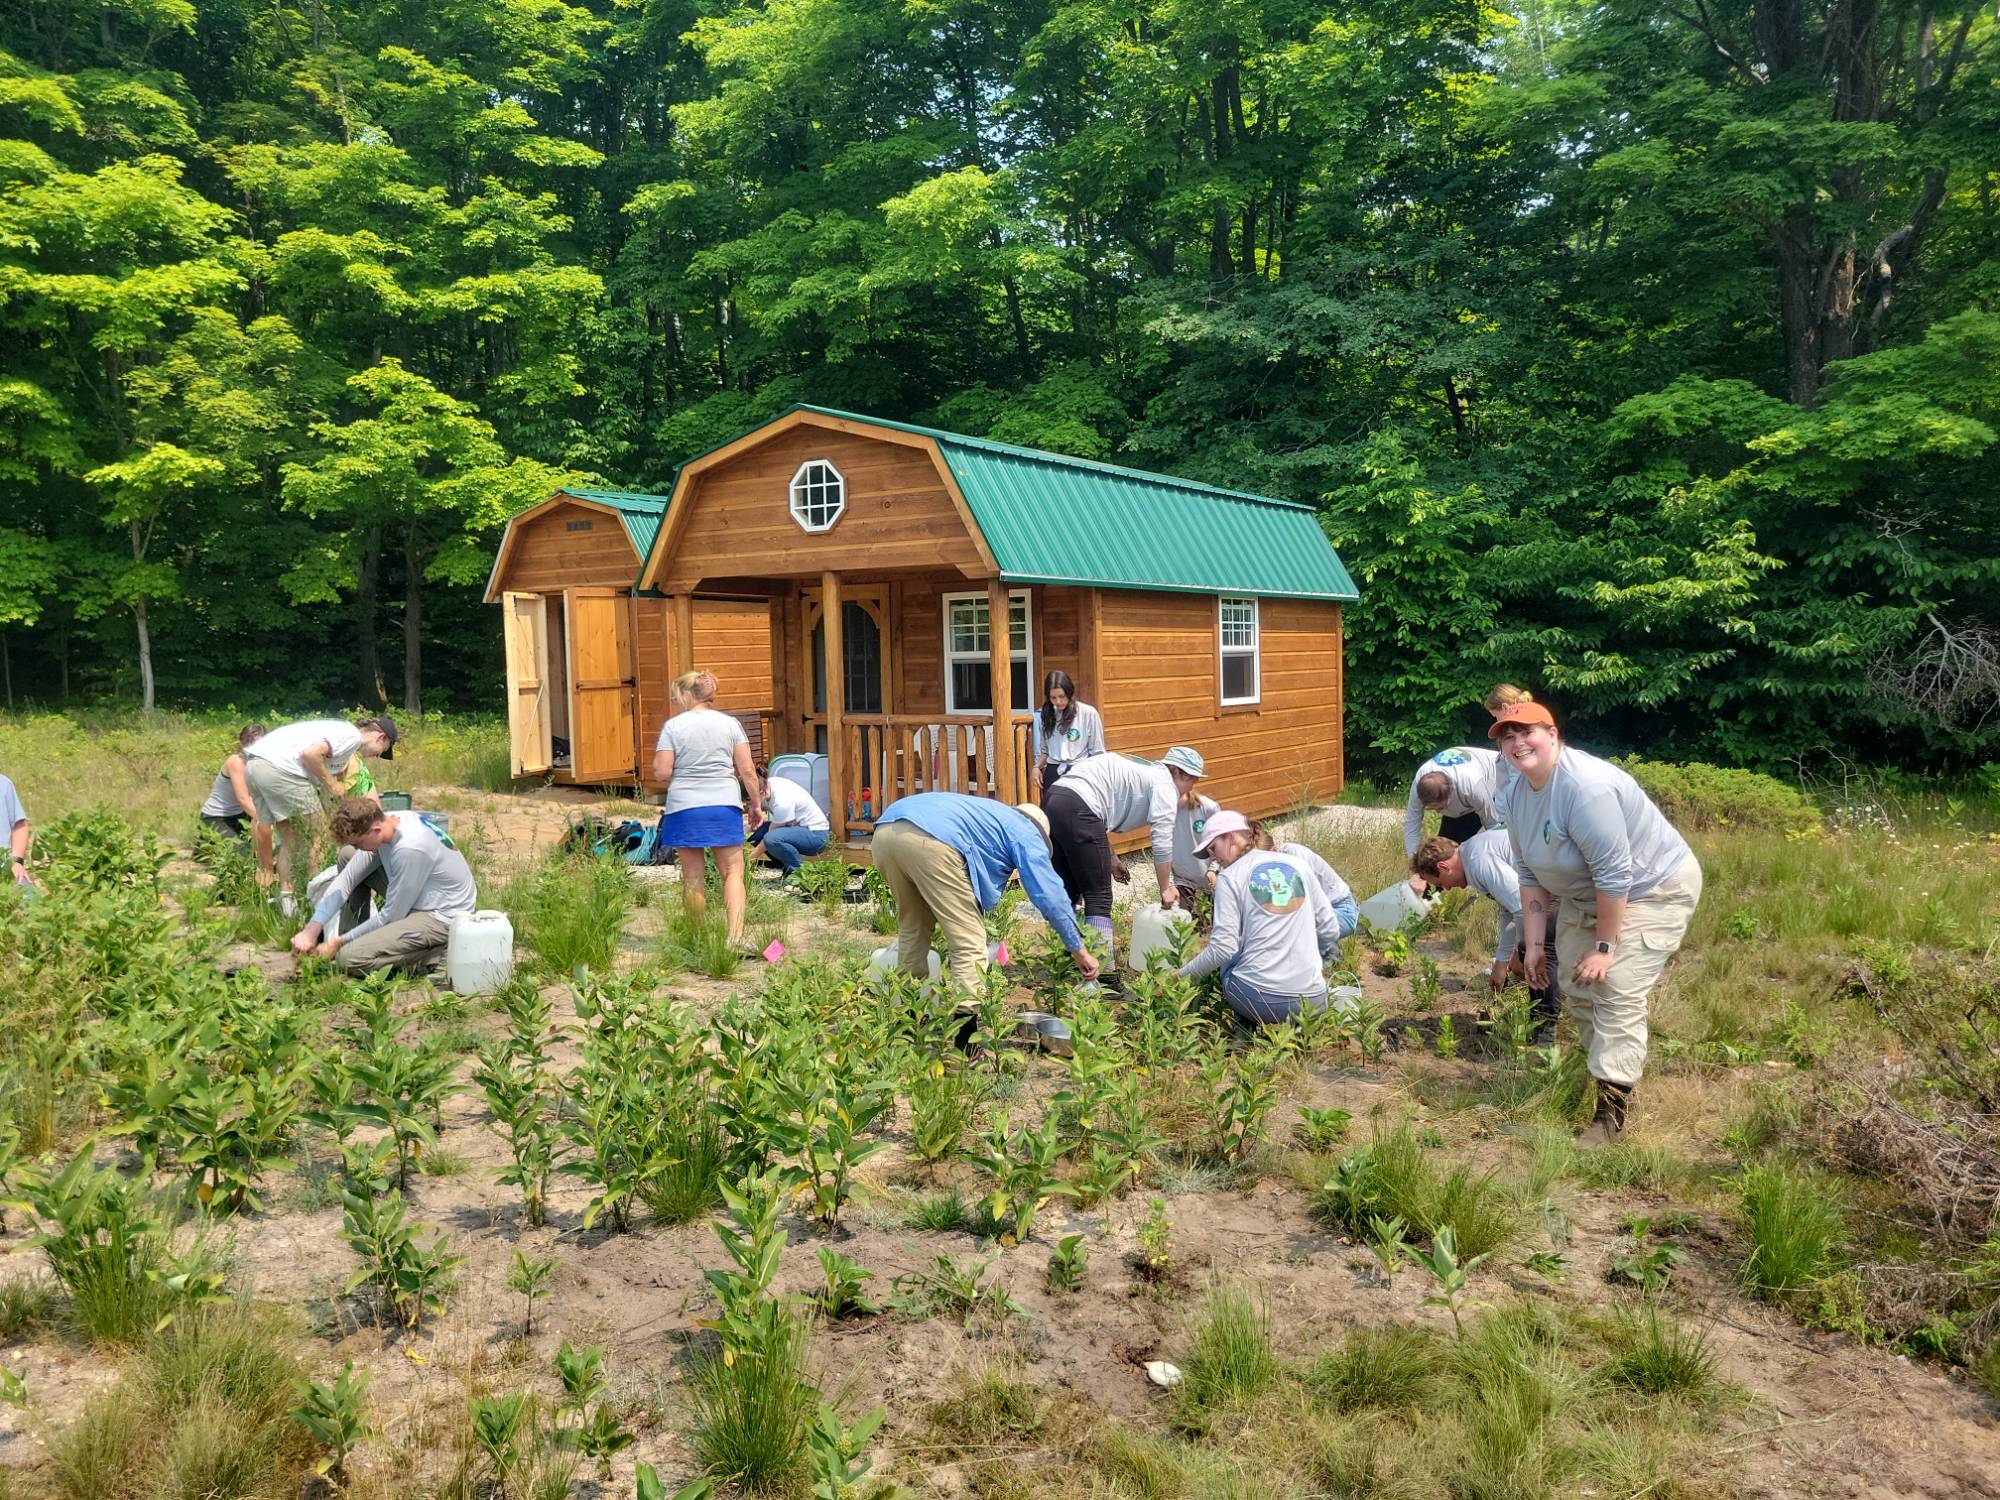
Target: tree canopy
[(1645, 354)]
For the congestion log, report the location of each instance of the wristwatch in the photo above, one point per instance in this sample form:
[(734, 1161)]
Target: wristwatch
[(1604, 947)]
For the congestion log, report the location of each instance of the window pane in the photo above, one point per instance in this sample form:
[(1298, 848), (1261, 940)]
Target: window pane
[(1019, 677), (1239, 676), (971, 686), (968, 625), (1017, 625)]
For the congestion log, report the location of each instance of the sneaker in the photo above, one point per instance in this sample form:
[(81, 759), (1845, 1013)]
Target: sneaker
[(1614, 1104)]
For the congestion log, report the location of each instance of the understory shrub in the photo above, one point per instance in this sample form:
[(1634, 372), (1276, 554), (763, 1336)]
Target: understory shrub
[(1699, 795)]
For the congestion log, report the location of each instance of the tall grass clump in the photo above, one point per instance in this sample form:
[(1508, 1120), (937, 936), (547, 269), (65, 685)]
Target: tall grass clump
[(1230, 1355), (572, 910), (752, 1412), (1378, 1369), (1394, 1177), (692, 1185), (1663, 1356), (700, 947), (1794, 1222)]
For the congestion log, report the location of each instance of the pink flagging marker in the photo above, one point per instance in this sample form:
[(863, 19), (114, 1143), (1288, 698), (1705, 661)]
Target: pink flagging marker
[(775, 952), (1000, 956)]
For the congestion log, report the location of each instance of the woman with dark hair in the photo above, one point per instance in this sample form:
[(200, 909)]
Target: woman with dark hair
[(1065, 730)]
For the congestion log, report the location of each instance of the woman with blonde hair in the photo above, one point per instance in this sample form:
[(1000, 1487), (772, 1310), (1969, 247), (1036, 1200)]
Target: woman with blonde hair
[(703, 762), (1504, 696)]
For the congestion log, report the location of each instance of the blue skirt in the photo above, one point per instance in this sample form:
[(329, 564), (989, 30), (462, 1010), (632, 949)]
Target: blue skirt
[(702, 828)]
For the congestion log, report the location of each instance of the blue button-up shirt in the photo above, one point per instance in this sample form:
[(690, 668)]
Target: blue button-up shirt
[(995, 841)]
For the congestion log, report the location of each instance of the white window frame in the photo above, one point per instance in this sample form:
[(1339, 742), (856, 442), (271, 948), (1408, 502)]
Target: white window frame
[(1025, 654), (1224, 649), (801, 493)]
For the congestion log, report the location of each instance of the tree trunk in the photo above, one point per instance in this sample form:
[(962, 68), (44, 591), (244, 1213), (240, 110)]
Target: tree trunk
[(413, 626), (367, 648), (146, 696)]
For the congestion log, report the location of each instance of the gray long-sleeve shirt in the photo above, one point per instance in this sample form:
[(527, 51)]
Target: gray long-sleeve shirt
[(423, 874), (1272, 925), (1128, 793), (1476, 776), (1083, 738), (1590, 831), (1488, 861)]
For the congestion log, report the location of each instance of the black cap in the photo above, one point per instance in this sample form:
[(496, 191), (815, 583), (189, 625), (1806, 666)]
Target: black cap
[(388, 731)]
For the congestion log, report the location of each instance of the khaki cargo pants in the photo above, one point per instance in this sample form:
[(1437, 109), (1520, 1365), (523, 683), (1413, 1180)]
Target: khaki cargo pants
[(1610, 1016), (932, 890), (413, 945)]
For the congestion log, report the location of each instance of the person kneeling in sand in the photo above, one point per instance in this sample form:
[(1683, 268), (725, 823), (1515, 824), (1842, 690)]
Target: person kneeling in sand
[(422, 882)]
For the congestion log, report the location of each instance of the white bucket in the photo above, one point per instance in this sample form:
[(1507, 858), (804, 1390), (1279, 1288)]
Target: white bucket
[(1393, 905), (479, 954), (883, 959), (1345, 1000), (1152, 928), (318, 887)]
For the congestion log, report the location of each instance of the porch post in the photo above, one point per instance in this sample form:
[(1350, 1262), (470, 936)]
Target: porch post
[(1000, 653), (683, 607), (836, 707)]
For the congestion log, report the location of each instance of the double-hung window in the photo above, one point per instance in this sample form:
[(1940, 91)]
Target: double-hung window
[(968, 661), (1237, 626)]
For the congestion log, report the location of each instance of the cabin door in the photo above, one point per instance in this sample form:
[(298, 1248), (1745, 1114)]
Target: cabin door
[(601, 695), (864, 647), (530, 730)]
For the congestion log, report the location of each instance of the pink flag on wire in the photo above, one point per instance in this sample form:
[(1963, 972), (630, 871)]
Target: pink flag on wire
[(775, 952)]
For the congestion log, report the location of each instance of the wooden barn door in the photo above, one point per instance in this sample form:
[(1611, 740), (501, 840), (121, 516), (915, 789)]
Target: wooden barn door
[(601, 695), (528, 727)]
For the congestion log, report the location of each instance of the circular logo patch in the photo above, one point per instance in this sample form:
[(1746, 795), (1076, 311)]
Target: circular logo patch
[(1450, 758), (1277, 888)]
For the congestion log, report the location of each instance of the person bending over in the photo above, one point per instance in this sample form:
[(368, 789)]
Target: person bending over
[(947, 857), (1485, 863), (1273, 927), (1346, 910), (422, 882), (1107, 794), (291, 774), (796, 828)]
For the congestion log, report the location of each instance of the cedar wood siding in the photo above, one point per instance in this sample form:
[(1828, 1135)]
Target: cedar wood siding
[(738, 521), (1162, 668), (1052, 639), (547, 557)]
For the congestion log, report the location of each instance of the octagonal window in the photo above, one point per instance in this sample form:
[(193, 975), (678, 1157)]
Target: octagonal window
[(819, 495)]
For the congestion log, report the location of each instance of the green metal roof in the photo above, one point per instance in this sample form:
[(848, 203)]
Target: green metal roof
[(1050, 518), (641, 514)]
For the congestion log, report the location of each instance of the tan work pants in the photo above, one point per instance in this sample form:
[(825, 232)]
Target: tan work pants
[(413, 945), (1610, 1015), (932, 890)]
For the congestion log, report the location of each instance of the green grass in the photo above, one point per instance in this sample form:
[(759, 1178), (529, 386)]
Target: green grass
[(693, 1184), (944, 1212), (751, 1415), (700, 947), (1386, 1369), (571, 911), (26, 1305), (1663, 1356), (1230, 1357), (1794, 1223), (1403, 1181)]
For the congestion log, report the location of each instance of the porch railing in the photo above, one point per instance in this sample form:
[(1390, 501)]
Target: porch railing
[(895, 755)]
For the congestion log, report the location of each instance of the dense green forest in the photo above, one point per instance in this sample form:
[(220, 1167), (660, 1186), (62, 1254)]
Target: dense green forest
[(1648, 353)]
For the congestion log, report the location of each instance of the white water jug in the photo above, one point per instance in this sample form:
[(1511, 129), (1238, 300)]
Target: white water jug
[(1393, 905), (884, 959), (1152, 928), (1345, 1000), (479, 954)]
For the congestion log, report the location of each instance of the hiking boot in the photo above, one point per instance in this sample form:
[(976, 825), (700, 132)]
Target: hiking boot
[(1614, 1103)]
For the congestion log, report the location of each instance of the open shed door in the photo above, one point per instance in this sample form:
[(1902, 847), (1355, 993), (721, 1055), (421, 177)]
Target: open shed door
[(601, 697), (528, 725)]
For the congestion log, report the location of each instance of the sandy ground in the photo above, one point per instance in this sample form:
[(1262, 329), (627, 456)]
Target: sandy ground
[(1823, 1417)]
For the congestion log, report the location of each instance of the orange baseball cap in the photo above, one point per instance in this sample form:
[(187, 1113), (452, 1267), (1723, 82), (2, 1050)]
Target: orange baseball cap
[(1520, 713)]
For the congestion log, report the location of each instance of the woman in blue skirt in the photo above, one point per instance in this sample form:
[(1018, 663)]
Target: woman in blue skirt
[(704, 760)]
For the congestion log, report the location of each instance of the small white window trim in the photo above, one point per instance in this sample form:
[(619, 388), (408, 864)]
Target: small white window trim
[(1025, 653), (1225, 648), (808, 485)]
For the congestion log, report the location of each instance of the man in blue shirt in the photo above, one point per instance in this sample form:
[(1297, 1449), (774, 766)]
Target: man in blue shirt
[(947, 857)]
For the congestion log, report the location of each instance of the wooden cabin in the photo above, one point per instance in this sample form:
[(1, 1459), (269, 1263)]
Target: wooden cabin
[(587, 654), (1186, 613)]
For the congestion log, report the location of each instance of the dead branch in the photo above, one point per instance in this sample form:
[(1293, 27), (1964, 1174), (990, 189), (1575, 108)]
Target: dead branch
[(1950, 676)]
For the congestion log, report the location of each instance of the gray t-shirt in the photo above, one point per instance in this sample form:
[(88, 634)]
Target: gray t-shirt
[(222, 801), (11, 811), (1272, 923), (1476, 777), (1084, 736), (282, 745), (424, 874), (1488, 861), (1327, 877), (1128, 793), (1191, 868), (1590, 831), (704, 742)]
